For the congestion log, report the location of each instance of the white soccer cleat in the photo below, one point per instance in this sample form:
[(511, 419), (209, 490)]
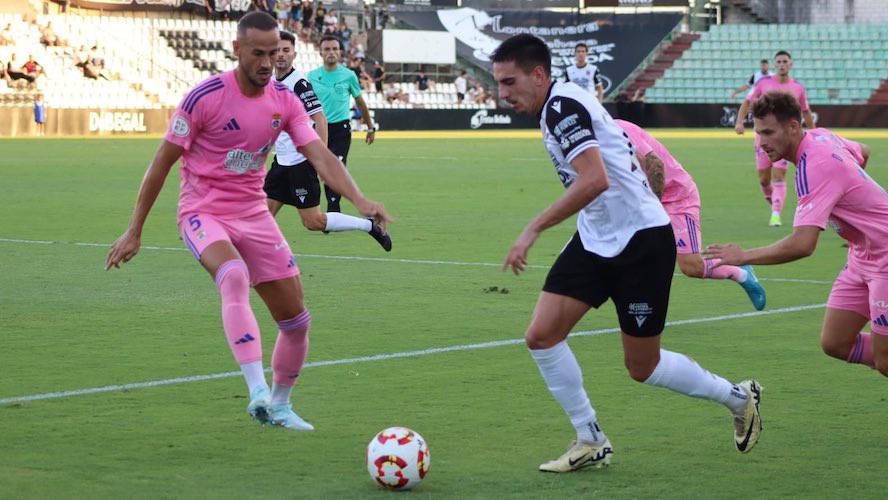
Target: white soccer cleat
[(282, 415), (260, 401), (580, 455), (748, 421)]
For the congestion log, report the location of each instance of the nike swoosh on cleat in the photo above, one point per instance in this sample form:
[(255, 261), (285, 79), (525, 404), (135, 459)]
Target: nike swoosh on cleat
[(743, 444), (573, 463)]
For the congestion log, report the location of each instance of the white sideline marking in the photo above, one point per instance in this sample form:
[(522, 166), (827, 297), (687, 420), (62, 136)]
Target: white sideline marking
[(382, 357), (368, 259)]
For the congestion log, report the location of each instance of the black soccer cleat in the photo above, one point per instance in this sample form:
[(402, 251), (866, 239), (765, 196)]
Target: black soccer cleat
[(381, 237)]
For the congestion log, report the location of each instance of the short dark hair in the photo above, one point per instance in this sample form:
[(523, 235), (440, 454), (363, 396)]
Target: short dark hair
[(286, 35), (783, 105), (782, 53), (331, 38), (526, 51), (256, 20), (763, 61), (581, 44)]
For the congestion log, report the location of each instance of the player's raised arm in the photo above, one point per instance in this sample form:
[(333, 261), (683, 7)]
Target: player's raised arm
[(127, 245), (590, 182)]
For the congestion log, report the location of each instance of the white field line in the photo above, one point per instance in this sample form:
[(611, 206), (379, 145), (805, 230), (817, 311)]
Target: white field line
[(383, 357), (359, 258)]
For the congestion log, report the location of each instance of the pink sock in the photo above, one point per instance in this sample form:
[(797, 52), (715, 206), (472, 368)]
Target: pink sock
[(778, 196), (862, 352), (241, 329), (712, 270), (290, 349), (766, 190)]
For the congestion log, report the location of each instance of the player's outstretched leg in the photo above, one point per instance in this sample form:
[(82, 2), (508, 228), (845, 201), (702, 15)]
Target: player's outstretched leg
[(778, 193), (242, 332), (553, 319), (284, 299), (333, 222), (841, 336), (686, 228), (649, 364)]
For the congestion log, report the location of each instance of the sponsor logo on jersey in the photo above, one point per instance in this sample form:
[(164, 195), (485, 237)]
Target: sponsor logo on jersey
[(240, 161)]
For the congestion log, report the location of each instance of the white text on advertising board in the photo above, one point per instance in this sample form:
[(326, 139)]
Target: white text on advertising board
[(107, 121)]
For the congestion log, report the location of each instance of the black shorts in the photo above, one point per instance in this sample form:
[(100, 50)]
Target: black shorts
[(339, 139), (638, 279), (295, 185)]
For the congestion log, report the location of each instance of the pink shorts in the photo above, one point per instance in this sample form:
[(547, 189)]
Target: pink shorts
[(762, 162), (258, 239), (864, 294), (686, 226)]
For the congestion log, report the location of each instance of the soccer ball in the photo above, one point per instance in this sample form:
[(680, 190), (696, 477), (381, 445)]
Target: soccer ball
[(398, 458)]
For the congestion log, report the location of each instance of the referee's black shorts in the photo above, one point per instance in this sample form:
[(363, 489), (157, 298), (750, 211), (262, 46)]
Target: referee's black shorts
[(339, 139), (295, 185), (638, 279)]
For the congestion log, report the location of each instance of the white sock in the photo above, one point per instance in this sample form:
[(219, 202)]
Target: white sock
[(280, 394), (340, 222), (254, 374), (744, 274), (683, 375), (562, 374)]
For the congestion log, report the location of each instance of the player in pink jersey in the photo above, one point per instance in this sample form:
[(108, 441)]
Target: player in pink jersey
[(833, 190), (772, 175), (679, 196), (223, 130)]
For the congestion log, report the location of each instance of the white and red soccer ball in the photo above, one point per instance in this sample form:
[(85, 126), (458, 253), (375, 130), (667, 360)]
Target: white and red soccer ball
[(398, 458)]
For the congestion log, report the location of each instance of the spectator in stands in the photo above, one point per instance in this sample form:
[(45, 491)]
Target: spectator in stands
[(6, 35), (33, 68), (331, 19), (283, 12), (345, 34), (461, 84), (49, 38), (378, 75), (422, 81), (295, 11), (307, 14), (40, 114), (320, 14), (81, 57), (95, 65), (16, 70), (395, 94)]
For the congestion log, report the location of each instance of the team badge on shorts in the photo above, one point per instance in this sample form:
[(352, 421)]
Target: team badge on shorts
[(276, 121)]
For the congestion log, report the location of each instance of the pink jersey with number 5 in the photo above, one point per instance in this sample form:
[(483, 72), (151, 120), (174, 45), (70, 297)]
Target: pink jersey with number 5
[(227, 137)]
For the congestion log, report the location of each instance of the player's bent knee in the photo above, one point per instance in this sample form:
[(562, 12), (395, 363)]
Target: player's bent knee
[(640, 369), (537, 340), (691, 269), (233, 279), (835, 348)]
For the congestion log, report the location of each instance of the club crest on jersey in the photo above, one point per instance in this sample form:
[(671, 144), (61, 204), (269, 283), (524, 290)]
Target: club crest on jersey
[(276, 121), (181, 127)]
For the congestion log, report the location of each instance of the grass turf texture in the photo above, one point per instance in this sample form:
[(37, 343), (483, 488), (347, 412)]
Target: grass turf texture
[(486, 413)]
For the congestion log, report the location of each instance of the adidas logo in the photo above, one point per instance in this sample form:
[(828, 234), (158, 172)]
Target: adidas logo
[(881, 320), (681, 243), (231, 125), (246, 338)]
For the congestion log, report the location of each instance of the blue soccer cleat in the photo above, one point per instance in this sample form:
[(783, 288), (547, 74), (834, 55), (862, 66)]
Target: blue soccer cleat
[(282, 415), (754, 289), (260, 402)]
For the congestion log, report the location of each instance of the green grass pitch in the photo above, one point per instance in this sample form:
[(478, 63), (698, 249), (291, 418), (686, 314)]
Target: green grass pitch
[(66, 324)]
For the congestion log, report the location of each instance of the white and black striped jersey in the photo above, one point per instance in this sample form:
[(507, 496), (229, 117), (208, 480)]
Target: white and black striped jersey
[(286, 152), (572, 121), (587, 77)]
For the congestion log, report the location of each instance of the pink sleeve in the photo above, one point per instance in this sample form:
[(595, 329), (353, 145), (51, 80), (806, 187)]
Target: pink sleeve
[(855, 149), (819, 191), (298, 126), (642, 146), (803, 99), (184, 126)]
